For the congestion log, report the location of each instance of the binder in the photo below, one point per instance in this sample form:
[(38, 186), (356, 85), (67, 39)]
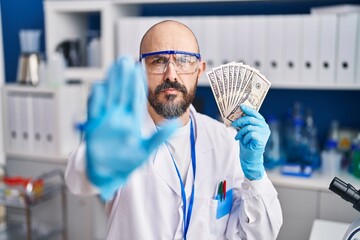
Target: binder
[(309, 64), (347, 47), (196, 24), (38, 136), (50, 123), (275, 48), (328, 31), (357, 66), (242, 47), (28, 122), (227, 43), (257, 41), (12, 129), (125, 36), (212, 47), (22, 119), (292, 44)]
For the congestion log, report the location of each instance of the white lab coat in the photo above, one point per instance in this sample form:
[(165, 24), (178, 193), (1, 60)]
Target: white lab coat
[(149, 205)]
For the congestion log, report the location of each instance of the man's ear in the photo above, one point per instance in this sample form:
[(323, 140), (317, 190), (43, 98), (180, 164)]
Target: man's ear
[(202, 68)]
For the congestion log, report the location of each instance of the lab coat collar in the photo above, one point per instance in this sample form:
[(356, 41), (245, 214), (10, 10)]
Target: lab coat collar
[(162, 161)]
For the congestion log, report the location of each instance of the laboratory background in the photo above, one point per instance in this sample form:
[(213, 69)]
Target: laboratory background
[(52, 50)]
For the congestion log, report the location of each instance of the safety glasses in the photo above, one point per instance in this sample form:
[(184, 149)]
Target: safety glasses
[(157, 62)]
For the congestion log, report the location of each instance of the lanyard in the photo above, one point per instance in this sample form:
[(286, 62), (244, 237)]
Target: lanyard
[(187, 215)]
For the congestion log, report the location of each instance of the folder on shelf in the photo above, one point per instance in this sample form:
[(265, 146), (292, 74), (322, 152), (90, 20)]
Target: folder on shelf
[(309, 64), (196, 24), (49, 128), (357, 64), (226, 34), (242, 47), (28, 122), (275, 48), (258, 43), (125, 36), (38, 123), (292, 44), (22, 119), (214, 42), (328, 31), (348, 43), (11, 128)]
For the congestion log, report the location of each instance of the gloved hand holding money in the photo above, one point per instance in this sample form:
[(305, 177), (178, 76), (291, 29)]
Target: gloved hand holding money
[(239, 91)]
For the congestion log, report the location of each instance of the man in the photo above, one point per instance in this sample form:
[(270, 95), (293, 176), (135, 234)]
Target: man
[(199, 183)]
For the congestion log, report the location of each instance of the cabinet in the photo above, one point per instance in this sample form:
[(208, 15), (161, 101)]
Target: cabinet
[(305, 199), (31, 215), (68, 21), (40, 122)]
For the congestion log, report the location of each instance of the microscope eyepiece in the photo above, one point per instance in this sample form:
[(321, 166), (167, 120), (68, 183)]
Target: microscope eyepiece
[(346, 191)]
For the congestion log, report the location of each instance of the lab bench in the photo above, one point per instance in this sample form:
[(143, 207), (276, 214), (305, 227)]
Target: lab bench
[(305, 199)]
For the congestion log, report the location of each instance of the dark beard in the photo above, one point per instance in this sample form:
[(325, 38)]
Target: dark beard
[(170, 109)]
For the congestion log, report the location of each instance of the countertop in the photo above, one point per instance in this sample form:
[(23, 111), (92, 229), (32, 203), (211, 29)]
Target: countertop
[(317, 181)]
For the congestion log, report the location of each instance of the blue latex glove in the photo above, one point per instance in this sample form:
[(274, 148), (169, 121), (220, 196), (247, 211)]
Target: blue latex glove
[(114, 145), (253, 135)]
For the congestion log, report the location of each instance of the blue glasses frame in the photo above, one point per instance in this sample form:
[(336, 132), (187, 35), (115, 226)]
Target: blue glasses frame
[(144, 55)]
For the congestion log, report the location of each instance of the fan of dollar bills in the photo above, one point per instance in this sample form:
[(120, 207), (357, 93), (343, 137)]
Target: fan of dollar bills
[(234, 84)]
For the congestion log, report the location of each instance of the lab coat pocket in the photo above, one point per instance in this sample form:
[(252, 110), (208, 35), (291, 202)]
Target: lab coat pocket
[(219, 214), (224, 206)]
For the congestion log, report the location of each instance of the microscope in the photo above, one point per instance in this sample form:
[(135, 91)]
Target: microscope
[(350, 194)]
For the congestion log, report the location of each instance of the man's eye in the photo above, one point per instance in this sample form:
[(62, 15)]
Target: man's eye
[(183, 59), (159, 60)]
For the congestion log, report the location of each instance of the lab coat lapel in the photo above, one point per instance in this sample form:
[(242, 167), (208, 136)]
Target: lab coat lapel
[(161, 159), (164, 166), (202, 146)]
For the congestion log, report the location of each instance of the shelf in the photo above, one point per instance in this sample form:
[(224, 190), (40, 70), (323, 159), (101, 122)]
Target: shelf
[(93, 74), (22, 222), (48, 192), (203, 82), (315, 86), (16, 231), (69, 21)]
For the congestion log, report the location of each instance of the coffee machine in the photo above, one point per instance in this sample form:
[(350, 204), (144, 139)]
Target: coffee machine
[(29, 59)]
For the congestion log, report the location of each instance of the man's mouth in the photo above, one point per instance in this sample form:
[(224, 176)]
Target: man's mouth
[(170, 91)]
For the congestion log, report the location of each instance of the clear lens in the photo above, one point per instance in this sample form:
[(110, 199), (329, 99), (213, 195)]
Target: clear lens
[(157, 64)]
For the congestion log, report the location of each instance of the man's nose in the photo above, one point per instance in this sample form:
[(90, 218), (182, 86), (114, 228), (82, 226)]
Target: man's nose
[(170, 71)]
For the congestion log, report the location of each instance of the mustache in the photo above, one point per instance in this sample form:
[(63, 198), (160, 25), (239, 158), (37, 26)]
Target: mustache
[(167, 84)]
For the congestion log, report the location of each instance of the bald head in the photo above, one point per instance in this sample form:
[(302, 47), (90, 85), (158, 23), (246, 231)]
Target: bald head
[(169, 35)]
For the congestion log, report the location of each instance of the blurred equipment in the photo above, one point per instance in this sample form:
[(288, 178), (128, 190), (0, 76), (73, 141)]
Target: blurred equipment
[(273, 155), (29, 60), (71, 50), (301, 143), (355, 157), (331, 158), (350, 194)]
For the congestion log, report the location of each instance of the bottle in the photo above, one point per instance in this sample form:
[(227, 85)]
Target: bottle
[(273, 155), (312, 156), (334, 131), (94, 53), (355, 157), (56, 70), (295, 139), (331, 158)]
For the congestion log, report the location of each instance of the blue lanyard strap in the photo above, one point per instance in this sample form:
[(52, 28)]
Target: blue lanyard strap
[(187, 216)]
